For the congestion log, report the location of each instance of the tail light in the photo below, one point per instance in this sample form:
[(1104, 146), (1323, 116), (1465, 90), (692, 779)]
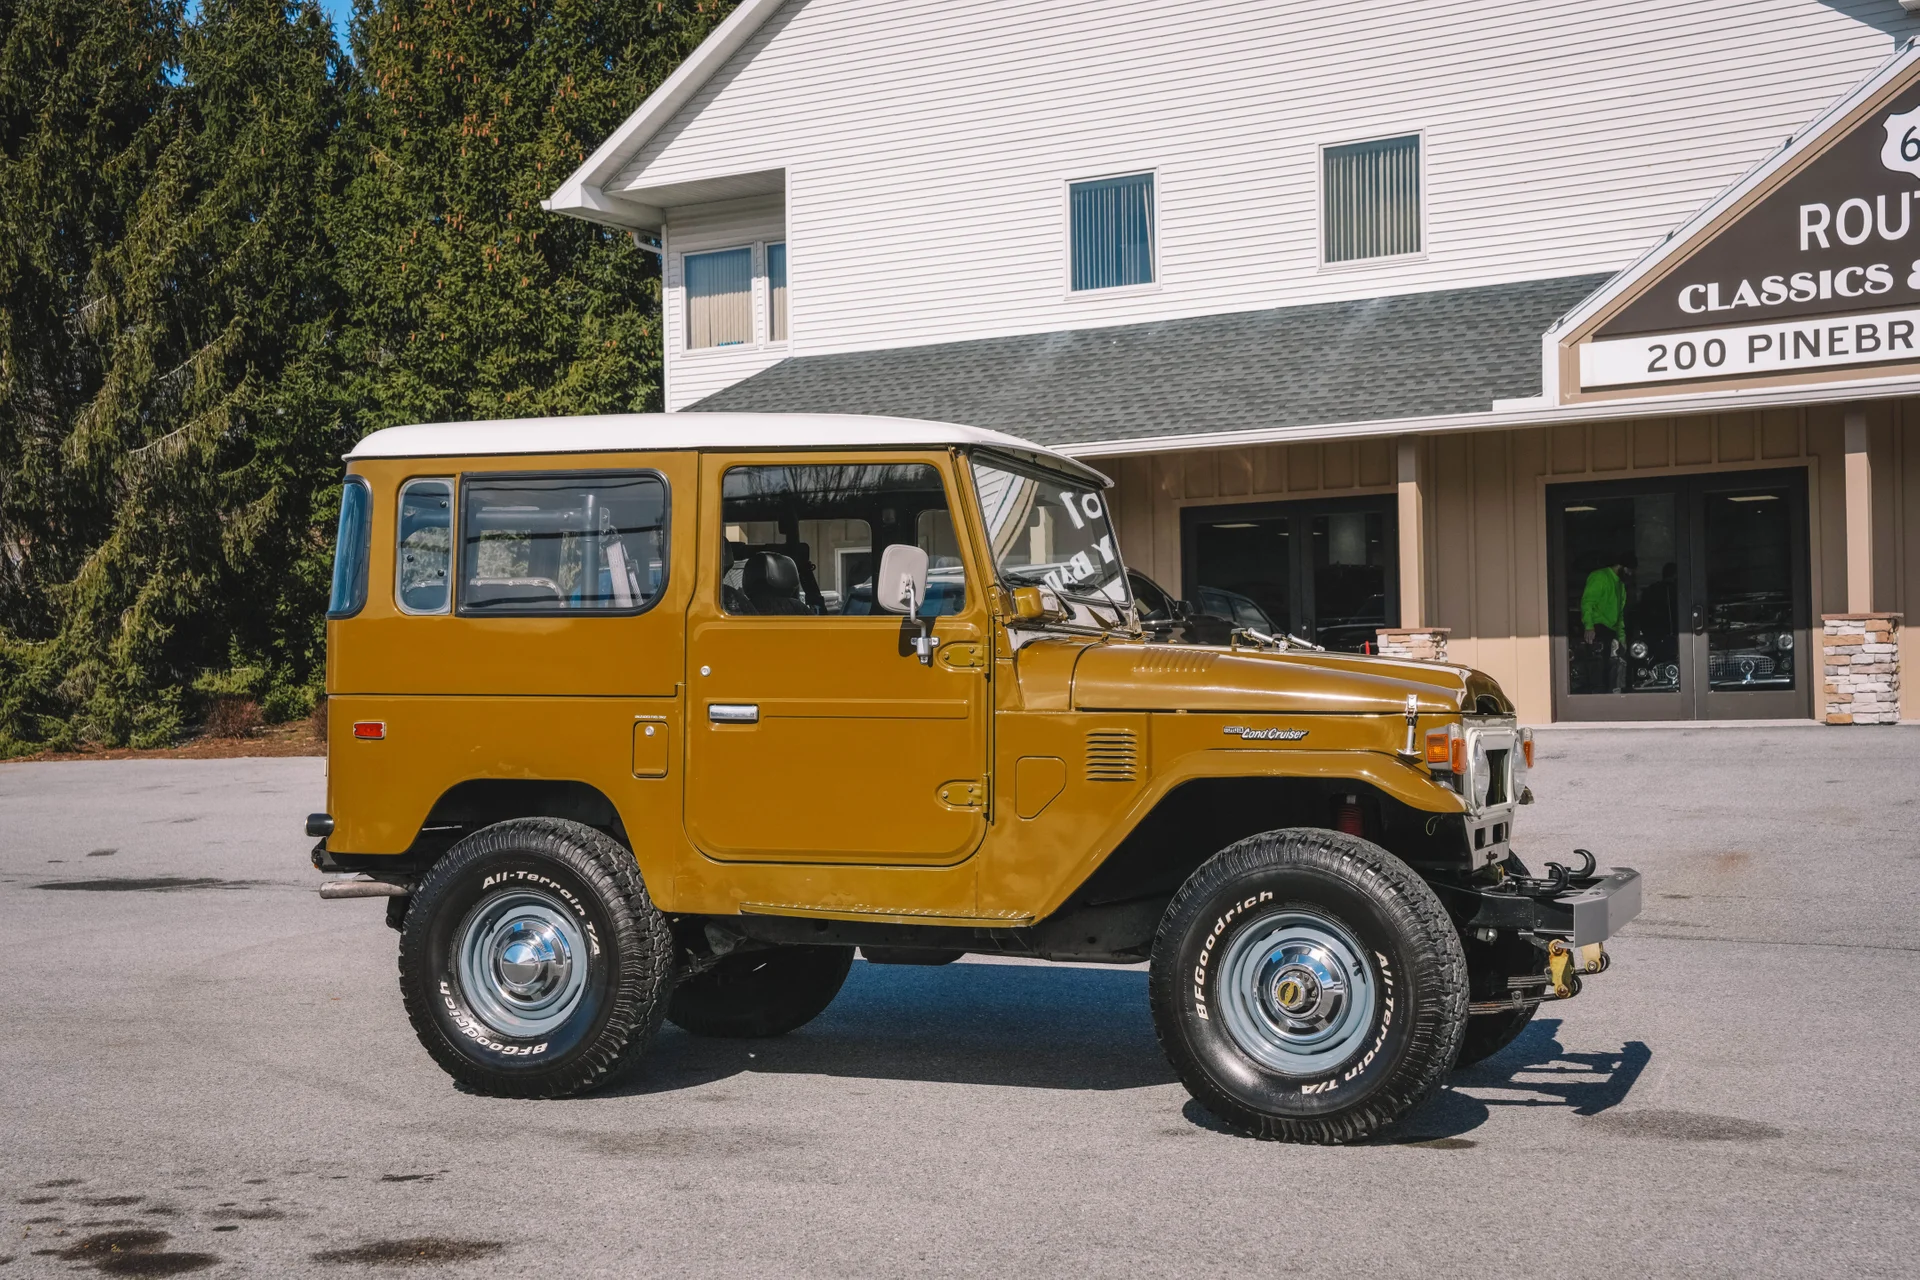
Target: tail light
[(370, 728), (1526, 746), (1447, 749)]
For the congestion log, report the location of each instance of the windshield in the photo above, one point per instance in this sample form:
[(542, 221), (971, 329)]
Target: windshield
[(1047, 530)]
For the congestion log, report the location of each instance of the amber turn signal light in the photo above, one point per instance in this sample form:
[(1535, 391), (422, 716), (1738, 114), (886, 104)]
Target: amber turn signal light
[(1447, 749), (370, 728), (1526, 746)]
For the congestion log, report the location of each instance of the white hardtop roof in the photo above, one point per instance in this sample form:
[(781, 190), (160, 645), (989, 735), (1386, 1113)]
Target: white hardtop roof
[(651, 432)]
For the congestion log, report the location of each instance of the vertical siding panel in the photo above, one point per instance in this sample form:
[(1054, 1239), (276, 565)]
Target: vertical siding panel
[(1451, 601), (1736, 437), (1303, 467), (1827, 444), (1337, 461), (1610, 446), (1377, 462), (1693, 442), (1651, 440), (1907, 588), (1202, 481), (1882, 424), (1533, 682), (1780, 433), (1270, 469), (1236, 473), (1569, 450), (1166, 519), (1492, 554)]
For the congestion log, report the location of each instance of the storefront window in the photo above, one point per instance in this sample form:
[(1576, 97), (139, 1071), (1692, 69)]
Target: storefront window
[(1622, 594)]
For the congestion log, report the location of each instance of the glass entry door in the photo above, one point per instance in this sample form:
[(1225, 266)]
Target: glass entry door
[(1681, 598), (1323, 571)]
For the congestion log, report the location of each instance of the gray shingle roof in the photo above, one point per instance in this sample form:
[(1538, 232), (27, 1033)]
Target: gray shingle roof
[(1410, 355)]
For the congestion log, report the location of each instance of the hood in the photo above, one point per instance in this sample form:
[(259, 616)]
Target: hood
[(1125, 675)]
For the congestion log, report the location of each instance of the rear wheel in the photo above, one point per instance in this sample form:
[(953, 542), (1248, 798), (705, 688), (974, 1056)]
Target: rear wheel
[(761, 993), (532, 962), (1308, 986)]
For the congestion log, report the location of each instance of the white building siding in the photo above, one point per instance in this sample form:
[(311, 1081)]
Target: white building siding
[(927, 143), (692, 375)]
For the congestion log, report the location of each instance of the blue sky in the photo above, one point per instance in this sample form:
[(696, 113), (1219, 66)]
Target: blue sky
[(340, 11)]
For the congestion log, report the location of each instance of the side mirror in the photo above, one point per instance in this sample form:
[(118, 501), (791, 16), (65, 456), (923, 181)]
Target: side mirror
[(1185, 611), (900, 586), (1037, 604)]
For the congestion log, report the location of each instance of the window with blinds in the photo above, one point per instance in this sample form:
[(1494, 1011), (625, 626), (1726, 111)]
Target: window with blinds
[(1370, 199), (776, 293), (719, 298), (1111, 232)]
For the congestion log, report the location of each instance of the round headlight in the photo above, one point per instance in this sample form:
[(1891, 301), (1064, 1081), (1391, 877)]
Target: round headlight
[(1764, 640), (1672, 672), (1784, 640), (1639, 649)]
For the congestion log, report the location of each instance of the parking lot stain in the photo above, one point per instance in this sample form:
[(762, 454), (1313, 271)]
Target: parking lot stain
[(101, 853), (136, 1252), (109, 1201), (1438, 1144), (60, 1182), (414, 1251), (410, 1177), (147, 884), (38, 1199), (1684, 1126)]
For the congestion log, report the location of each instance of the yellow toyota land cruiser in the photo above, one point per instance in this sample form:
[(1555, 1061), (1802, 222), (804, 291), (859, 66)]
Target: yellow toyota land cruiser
[(654, 716)]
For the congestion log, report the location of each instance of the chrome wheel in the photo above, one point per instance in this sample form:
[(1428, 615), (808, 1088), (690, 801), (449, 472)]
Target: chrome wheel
[(1297, 993), (521, 958)]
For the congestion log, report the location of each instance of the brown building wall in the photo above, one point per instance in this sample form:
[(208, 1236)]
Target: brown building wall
[(1486, 530)]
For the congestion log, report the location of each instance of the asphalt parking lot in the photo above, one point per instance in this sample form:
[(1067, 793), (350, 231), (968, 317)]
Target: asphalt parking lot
[(224, 1062)]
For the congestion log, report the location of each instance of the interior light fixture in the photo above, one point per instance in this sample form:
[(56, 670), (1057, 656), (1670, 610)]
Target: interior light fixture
[(1583, 508), (1753, 497), (1244, 524)]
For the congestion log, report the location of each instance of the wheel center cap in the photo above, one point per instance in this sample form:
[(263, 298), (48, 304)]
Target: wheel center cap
[(1295, 989), (532, 960)]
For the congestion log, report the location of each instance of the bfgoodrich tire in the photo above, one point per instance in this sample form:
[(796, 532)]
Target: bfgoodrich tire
[(1308, 986), (761, 993), (532, 961)]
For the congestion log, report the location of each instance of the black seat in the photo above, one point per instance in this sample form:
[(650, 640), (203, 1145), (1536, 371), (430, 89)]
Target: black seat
[(732, 598), (772, 583)]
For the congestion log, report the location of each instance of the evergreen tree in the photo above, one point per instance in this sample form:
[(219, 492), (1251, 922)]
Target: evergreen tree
[(82, 89), (212, 418), (469, 301)]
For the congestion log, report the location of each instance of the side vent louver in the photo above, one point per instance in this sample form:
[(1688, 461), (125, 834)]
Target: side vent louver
[(1113, 755)]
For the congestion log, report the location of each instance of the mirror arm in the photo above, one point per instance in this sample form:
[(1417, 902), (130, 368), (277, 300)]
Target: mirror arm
[(924, 642)]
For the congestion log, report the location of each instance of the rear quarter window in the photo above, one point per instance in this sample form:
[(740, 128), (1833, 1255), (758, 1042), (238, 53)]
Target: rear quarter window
[(350, 544), (569, 543)]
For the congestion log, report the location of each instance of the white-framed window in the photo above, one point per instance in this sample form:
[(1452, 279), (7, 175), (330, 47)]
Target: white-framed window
[(1110, 233), (1370, 200), (719, 287), (777, 291)]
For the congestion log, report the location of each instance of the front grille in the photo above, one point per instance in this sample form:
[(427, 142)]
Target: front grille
[(1113, 755), (1739, 666)]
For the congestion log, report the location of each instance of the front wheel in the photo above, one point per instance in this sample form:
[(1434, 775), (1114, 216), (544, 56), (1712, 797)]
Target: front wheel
[(1308, 986), (532, 961)]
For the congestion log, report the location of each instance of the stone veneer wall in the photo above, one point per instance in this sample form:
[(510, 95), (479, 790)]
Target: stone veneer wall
[(1861, 653), (1422, 644)]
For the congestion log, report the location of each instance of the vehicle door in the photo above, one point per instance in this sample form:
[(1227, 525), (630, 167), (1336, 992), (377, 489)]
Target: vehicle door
[(816, 733)]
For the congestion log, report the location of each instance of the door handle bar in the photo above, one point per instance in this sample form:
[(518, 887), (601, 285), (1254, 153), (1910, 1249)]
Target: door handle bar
[(733, 712)]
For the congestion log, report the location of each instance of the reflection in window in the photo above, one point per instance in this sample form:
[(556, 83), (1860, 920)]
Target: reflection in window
[(776, 293), (1112, 232), (1621, 601), (424, 555), (804, 540), (1750, 601), (1370, 199), (549, 544), (719, 298), (350, 550)]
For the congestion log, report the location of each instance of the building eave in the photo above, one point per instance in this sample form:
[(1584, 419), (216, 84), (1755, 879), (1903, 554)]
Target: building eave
[(584, 194)]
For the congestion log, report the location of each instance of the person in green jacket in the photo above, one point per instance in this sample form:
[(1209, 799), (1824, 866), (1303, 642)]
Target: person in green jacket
[(1603, 610)]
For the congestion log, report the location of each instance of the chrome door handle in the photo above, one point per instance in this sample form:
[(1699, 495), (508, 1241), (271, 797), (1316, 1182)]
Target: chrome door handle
[(733, 712)]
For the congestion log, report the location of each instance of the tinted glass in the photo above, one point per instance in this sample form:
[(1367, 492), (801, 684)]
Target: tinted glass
[(1244, 567), (1749, 561), (553, 544), (424, 555), (350, 550), (1621, 594), (1350, 551), (802, 541)]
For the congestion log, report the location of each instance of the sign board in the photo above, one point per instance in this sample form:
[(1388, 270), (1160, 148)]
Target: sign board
[(1813, 274)]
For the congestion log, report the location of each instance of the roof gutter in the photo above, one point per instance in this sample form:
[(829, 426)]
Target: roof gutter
[(1511, 414)]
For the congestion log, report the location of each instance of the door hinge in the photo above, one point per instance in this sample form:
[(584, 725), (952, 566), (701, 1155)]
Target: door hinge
[(962, 795), (964, 655)]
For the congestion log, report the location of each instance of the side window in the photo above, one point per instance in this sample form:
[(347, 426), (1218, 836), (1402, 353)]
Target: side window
[(719, 298), (423, 556), (350, 550), (562, 543), (804, 540)]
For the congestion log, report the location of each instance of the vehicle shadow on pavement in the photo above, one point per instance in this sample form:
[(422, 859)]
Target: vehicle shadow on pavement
[(1536, 1070), (1028, 1026)]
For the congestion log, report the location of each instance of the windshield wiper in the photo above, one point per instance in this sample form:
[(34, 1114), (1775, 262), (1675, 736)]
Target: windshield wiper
[(1096, 602)]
